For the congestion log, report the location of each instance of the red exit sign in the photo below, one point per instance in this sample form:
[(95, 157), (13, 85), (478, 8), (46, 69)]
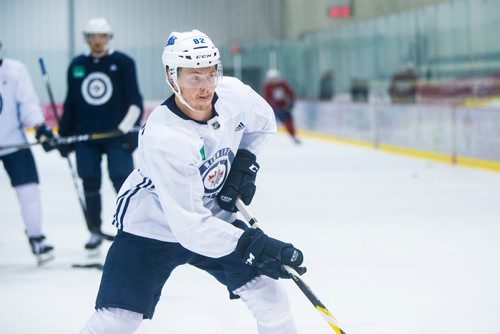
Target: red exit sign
[(339, 11)]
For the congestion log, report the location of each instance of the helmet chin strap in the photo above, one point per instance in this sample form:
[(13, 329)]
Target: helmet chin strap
[(181, 98)]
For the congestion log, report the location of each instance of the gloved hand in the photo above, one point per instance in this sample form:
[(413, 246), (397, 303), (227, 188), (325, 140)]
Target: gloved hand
[(240, 182), (65, 149), (44, 135), (269, 255), (130, 141)]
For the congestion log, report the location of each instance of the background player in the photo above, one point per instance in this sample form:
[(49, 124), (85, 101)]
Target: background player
[(19, 108), (102, 89), (196, 156), (278, 93)]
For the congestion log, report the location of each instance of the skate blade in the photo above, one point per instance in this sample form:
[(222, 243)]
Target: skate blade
[(44, 258), (97, 266)]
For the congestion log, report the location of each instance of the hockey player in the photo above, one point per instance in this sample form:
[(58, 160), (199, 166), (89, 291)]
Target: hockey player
[(278, 93), (102, 89), (197, 154), (19, 108)]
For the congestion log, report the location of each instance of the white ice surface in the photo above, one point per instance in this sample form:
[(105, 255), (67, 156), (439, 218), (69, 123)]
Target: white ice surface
[(394, 245)]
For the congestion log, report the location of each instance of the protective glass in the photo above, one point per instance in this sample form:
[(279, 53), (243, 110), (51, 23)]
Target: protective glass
[(195, 80)]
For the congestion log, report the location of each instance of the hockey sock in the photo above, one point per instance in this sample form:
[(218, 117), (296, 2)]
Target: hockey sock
[(117, 182), (288, 123), (269, 305), (93, 202), (112, 320), (28, 196)]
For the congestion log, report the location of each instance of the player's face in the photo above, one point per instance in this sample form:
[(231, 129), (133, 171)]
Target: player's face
[(98, 44), (197, 86)]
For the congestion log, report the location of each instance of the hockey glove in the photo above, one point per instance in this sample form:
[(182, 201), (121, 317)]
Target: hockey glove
[(240, 182), (45, 136), (269, 255), (65, 149), (130, 142)]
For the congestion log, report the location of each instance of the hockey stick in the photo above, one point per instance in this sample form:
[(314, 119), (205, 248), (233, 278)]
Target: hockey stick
[(75, 139), (306, 290), (96, 265), (78, 189)]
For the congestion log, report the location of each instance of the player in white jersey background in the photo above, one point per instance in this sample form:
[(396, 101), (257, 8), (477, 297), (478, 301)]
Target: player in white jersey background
[(197, 155), (20, 108)]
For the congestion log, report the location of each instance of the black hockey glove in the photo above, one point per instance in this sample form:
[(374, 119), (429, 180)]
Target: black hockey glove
[(65, 149), (240, 182), (44, 135), (130, 142), (269, 255)]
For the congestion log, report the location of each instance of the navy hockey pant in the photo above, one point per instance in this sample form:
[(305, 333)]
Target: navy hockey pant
[(137, 268), (20, 167), (88, 161)]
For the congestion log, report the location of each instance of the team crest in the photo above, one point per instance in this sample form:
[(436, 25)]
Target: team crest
[(97, 88), (214, 171)]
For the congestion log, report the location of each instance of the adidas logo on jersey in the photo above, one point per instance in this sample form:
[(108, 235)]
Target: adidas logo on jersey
[(240, 126)]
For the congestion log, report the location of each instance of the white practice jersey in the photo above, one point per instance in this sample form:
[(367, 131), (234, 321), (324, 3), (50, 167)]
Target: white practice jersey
[(183, 165), (19, 105)]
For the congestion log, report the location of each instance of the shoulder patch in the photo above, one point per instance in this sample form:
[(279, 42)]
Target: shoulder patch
[(78, 71), (202, 153)]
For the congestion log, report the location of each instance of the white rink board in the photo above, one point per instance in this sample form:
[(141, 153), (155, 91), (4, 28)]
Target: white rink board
[(465, 132)]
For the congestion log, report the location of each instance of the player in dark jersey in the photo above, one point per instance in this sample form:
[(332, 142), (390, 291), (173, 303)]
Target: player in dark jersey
[(102, 89)]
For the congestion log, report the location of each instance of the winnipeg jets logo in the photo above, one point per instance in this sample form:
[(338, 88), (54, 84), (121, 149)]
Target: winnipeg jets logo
[(214, 171), (215, 176), (97, 88)]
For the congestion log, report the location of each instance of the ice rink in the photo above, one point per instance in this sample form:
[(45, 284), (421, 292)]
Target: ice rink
[(394, 245)]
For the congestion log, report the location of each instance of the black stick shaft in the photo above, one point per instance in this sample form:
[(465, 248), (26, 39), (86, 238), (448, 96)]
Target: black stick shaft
[(81, 199)]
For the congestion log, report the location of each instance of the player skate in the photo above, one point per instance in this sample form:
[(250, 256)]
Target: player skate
[(42, 251), (94, 244)]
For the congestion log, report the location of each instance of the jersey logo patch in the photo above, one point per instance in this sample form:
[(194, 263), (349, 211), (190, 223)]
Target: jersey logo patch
[(214, 171), (202, 152), (97, 88), (239, 127), (78, 71)]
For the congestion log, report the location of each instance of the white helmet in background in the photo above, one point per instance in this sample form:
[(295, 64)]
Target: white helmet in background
[(273, 73), (192, 49), (98, 26)]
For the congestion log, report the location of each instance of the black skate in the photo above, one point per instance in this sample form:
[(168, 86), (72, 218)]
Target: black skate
[(42, 251), (94, 244)]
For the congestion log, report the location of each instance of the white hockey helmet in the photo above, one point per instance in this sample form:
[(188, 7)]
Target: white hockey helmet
[(273, 73), (192, 49), (98, 26)]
